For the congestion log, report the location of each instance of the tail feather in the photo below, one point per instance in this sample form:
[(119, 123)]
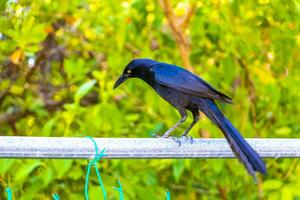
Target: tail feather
[(243, 151)]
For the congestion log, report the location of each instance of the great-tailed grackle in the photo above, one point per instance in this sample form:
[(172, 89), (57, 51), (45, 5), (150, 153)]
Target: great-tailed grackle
[(186, 91)]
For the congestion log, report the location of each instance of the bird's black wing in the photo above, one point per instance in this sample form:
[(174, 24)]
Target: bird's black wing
[(185, 81)]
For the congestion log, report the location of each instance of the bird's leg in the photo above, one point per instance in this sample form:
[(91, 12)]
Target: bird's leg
[(168, 132), (196, 116), (183, 118)]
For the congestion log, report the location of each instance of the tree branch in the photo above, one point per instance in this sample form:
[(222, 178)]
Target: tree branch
[(178, 30), (251, 92), (187, 18), (12, 117)]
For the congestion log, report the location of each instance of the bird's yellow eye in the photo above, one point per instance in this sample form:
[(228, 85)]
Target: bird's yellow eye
[(128, 71)]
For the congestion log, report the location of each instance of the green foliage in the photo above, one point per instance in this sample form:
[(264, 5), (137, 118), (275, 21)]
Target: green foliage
[(83, 90), (59, 61)]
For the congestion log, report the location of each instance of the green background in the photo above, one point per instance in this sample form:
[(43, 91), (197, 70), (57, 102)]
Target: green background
[(59, 61)]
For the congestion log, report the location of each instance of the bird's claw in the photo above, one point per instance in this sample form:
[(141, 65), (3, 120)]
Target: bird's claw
[(176, 139), (188, 138)]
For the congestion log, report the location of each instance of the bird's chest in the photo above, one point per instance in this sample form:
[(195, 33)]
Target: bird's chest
[(172, 96)]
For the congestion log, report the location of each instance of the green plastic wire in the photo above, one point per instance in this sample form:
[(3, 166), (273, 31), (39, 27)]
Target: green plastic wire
[(55, 196), (93, 162), (9, 193), (168, 195), (120, 190)]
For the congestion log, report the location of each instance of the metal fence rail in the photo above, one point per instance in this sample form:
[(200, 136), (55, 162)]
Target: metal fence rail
[(149, 148)]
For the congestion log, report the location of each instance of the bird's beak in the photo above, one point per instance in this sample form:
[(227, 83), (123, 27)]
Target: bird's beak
[(120, 80)]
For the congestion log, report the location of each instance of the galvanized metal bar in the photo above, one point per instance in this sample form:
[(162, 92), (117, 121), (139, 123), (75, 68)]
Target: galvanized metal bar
[(146, 148)]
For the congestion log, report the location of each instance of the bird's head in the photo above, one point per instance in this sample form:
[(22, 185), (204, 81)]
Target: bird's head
[(137, 68)]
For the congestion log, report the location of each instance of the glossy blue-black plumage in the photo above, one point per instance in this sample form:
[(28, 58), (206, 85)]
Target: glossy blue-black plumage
[(185, 81), (186, 91)]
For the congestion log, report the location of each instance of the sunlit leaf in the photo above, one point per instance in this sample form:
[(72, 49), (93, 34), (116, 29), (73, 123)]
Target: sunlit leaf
[(83, 90), (26, 169), (17, 56), (272, 184)]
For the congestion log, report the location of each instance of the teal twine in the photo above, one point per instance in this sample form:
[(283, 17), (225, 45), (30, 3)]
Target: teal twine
[(168, 195), (55, 196), (93, 162), (120, 190), (9, 193)]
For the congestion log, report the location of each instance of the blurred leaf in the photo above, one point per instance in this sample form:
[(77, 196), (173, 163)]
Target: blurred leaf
[(16, 89), (178, 168), (47, 128), (76, 173), (283, 131), (272, 184), (17, 56), (83, 90), (2, 5), (157, 128), (61, 167), (5, 165), (32, 190), (95, 192), (76, 69), (47, 175), (132, 117), (25, 170)]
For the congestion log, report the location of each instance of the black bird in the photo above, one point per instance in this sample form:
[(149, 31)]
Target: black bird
[(186, 91)]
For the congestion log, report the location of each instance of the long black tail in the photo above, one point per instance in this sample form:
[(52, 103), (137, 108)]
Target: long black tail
[(243, 151)]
